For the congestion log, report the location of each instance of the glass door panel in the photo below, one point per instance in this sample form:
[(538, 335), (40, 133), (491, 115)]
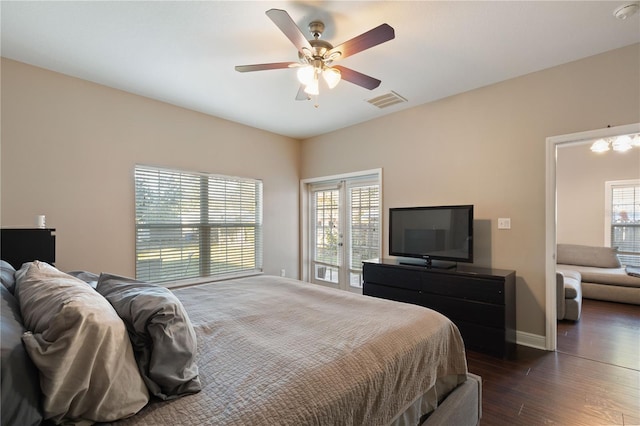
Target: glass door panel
[(345, 222), (326, 236), (364, 229)]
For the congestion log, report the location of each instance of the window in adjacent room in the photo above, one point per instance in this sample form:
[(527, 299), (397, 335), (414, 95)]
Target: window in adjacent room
[(191, 225), (622, 219)]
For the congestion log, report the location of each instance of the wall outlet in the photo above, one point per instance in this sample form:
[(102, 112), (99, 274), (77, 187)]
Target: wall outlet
[(282, 272), (504, 223)]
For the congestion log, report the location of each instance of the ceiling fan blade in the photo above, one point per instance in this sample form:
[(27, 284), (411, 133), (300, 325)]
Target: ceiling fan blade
[(262, 67), (358, 78), (364, 41), (302, 95), (282, 19)]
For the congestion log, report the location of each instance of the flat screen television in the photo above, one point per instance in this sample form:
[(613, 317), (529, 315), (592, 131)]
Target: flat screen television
[(440, 233)]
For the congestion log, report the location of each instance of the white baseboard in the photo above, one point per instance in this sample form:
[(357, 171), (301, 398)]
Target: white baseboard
[(532, 340)]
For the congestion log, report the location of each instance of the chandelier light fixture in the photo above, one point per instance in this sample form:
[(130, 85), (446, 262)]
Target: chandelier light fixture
[(620, 143)]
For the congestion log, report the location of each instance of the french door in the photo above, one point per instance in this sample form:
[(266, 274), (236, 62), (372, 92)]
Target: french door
[(344, 230)]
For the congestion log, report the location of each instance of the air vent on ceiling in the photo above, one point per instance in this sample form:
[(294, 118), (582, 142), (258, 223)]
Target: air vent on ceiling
[(386, 100)]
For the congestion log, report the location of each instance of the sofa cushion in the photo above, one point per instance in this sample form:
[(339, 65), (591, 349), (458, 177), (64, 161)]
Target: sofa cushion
[(611, 293), (571, 282), (609, 276), (571, 288), (569, 294), (600, 257), (571, 274)]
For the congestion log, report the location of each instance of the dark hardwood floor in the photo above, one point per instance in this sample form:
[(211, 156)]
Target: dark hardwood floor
[(593, 378)]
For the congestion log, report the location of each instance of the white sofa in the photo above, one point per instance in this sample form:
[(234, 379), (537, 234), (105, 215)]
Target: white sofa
[(569, 295), (602, 276)]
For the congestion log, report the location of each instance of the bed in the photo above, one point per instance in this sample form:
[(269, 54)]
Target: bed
[(277, 351)]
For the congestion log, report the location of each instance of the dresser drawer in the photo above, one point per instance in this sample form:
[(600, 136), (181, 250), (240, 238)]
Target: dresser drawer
[(485, 339), (390, 293), (479, 289), (392, 277), (470, 311)]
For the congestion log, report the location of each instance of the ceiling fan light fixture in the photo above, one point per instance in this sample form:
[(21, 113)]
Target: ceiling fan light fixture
[(331, 76), (312, 88), (600, 146), (305, 74), (316, 55), (333, 56)]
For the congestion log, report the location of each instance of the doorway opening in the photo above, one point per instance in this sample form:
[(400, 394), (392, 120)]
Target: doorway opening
[(551, 238)]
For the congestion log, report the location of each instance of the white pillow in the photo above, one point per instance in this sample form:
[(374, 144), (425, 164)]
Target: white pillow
[(80, 346)]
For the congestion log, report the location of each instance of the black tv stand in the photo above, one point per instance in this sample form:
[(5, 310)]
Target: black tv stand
[(480, 301)]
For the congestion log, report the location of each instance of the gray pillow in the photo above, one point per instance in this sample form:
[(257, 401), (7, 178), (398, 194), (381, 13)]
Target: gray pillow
[(7, 276), (161, 333), (598, 257), (88, 277), (80, 346), (20, 391)]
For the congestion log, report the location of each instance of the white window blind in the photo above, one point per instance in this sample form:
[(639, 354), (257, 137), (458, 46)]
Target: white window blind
[(327, 225), (365, 224), (191, 225), (625, 220)]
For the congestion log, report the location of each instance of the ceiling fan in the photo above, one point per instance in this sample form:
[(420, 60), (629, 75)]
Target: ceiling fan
[(317, 56)]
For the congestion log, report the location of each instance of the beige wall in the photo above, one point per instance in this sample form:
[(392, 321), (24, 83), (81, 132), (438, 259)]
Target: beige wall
[(580, 182), (69, 148), (487, 147)]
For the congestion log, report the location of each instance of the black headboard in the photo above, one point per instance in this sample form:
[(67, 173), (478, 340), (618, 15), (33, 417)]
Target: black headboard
[(19, 245)]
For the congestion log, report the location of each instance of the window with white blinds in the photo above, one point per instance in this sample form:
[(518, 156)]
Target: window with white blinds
[(365, 224), (191, 225), (623, 221)]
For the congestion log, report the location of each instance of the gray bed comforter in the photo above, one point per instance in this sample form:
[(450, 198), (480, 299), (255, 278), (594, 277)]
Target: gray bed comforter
[(277, 351)]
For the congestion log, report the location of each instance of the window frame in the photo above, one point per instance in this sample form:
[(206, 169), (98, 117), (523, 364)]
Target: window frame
[(307, 214), (608, 203), (200, 217), (353, 268)]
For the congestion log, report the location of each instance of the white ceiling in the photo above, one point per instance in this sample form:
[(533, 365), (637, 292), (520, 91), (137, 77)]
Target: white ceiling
[(184, 52)]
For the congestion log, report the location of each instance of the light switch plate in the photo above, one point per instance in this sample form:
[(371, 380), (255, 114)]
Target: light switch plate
[(504, 223)]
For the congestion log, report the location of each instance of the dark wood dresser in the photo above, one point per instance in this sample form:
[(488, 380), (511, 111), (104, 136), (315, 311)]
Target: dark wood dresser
[(19, 245), (480, 301)]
